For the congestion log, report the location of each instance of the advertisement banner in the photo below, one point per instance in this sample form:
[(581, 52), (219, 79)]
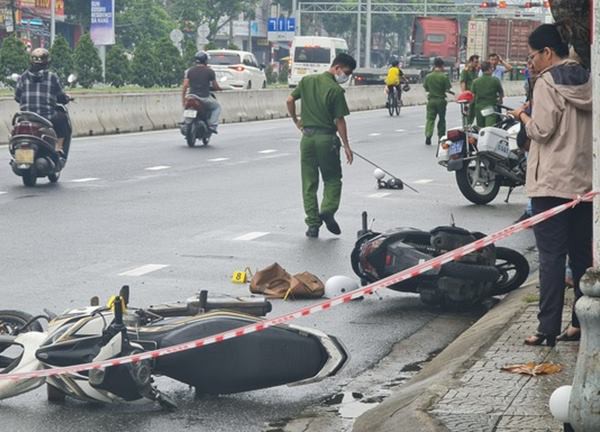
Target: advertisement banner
[(102, 28)]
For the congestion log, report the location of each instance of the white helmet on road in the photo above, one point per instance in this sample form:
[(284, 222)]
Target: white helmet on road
[(378, 173), (338, 285)]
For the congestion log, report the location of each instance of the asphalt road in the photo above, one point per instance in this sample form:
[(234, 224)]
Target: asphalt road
[(128, 201)]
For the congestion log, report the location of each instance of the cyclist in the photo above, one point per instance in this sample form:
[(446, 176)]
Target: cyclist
[(394, 78)]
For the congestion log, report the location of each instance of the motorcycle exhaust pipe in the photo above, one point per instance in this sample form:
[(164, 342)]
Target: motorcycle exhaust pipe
[(508, 174)]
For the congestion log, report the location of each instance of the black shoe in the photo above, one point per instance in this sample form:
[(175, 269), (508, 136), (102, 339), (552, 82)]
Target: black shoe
[(312, 232), (213, 131), (330, 223), (428, 141)]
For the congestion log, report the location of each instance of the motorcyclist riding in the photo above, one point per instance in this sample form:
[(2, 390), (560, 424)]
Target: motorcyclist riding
[(38, 90), (200, 80)]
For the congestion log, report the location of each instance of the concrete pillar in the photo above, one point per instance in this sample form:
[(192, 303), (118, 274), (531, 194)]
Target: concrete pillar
[(584, 404)]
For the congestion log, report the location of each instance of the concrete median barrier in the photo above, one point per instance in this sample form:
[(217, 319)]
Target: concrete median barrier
[(97, 114)]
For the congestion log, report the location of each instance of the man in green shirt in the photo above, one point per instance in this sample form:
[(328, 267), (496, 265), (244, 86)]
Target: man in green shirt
[(470, 73), (436, 85), (322, 120), (487, 92)]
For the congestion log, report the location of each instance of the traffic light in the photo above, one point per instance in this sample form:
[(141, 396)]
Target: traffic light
[(484, 5), (501, 4)]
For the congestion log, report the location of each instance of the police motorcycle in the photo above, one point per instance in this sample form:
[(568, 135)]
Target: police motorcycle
[(32, 144), (483, 159), (473, 279), (195, 118), (277, 355)]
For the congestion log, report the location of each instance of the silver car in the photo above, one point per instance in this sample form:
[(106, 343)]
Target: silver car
[(238, 69)]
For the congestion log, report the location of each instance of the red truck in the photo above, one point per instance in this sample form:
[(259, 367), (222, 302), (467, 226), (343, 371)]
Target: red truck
[(432, 37)]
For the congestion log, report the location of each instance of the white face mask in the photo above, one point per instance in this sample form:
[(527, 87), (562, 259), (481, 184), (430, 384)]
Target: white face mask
[(342, 78)]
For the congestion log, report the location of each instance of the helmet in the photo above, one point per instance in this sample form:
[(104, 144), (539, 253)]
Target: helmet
[(338, 285), (202, 57), (394, 61), (378, 173), (39, 57), (465, 97)]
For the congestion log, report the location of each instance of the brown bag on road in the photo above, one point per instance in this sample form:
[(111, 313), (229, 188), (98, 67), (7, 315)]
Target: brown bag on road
[(275, 282)]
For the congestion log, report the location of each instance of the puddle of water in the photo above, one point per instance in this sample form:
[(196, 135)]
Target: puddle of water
[(354, 409)]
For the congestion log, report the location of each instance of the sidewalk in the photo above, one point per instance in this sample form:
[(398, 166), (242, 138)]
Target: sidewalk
[(464, 390)]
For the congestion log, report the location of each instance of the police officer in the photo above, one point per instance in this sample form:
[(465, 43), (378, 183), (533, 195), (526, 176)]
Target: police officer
[(436, 85), (487, 92), (322, 125)]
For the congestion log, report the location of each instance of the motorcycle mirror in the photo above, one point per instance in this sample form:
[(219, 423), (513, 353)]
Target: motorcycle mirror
[(488, 111), (14, 77), (72, 79)]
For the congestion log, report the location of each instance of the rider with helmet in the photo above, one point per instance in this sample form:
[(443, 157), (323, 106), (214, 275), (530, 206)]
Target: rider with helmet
[(200, 79), (38, 90), (395, 77)]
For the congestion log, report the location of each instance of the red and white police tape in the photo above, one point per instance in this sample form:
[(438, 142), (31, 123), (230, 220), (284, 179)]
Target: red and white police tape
[(310, 310)]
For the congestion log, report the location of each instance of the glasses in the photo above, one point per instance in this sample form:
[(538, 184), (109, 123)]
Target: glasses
[(530, 57)]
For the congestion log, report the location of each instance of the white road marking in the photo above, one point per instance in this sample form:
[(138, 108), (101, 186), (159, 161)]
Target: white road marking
[(251, 236), (218, 159), (84, 180), (158, 168), (422, 126), (374, 134), (2, 192), (423, 181), (267, 151), (400, 130), (145, 269), (380, 195)]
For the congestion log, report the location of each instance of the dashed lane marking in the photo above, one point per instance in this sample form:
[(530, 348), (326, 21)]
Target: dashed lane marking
[(380, 195), (422, 126), (158, 168), (218, 159), (84, 180), (251, 236), (2, 192), (423, 181), (400, 130), (267, 151), (145, 269), (374, 134)]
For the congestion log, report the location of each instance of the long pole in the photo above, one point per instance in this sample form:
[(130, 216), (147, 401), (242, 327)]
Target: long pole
[(358, 32), (595, 33), (52, 21), (368, 36)]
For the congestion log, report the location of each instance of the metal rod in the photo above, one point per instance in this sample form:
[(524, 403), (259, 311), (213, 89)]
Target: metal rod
[(387, 172), (368, 36)]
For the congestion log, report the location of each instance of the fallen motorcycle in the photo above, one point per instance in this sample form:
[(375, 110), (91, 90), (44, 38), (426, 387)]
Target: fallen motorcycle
[(491, 271), (282, 354)]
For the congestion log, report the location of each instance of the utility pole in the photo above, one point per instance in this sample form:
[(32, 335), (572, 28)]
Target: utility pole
[(52, 21), (358, 33), (368, 37)]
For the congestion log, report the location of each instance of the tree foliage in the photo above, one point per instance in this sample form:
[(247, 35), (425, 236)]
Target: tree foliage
[(118, 68), (88, 65), (142, 20), (61, 58), (189, 51), (170, 63), (13, 58), (144, 66)]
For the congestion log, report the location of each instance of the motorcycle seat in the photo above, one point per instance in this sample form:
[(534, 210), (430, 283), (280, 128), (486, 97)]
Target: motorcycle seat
[(31, 117)]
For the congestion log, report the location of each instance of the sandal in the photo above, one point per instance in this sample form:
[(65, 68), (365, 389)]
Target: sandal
[(566, 337), (539, 339)]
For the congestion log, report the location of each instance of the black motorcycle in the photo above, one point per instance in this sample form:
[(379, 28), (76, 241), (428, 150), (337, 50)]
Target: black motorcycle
[(195, 121), (474, 278)]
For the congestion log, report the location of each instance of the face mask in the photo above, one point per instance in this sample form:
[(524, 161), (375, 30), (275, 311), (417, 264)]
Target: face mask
[(342, 78)]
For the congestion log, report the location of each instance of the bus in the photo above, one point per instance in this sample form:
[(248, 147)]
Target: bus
[(312, 55)]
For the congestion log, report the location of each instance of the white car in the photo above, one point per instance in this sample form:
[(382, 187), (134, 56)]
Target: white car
[(238, 69)]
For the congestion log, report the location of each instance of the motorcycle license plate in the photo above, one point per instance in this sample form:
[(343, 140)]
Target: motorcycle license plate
[(189, 113), (24, 156), (456, 147)]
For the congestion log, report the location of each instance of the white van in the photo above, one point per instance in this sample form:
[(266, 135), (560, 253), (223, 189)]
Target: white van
[(313, 55)]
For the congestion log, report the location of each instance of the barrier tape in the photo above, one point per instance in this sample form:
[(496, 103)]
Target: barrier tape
[(417, 270)]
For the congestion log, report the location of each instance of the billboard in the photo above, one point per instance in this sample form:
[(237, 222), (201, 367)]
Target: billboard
[(102, 27)]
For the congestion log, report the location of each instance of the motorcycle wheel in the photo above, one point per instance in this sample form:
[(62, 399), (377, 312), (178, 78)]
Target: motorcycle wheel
[(513, 268), (190, 138), (13, 320), (54, 395), (29, 178), (206, 140), (54, 177), (472, 189)]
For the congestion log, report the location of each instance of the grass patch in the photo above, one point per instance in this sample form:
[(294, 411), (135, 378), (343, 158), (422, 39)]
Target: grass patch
[(532, 298)]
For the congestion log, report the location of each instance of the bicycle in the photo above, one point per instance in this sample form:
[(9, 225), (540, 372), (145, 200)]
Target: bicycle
[(394, 101)]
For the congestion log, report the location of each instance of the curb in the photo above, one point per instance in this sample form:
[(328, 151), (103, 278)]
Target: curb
[(407, 409)]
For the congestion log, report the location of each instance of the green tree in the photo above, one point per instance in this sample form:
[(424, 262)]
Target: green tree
[(13, 58), (189, 51), (141, 20), (61, 58), (170, 64), (118, 68), (88, 65), (144, 66), (215, 13)]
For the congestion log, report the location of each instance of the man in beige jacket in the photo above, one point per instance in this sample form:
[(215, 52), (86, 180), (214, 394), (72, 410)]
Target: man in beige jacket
[(559, 168)]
